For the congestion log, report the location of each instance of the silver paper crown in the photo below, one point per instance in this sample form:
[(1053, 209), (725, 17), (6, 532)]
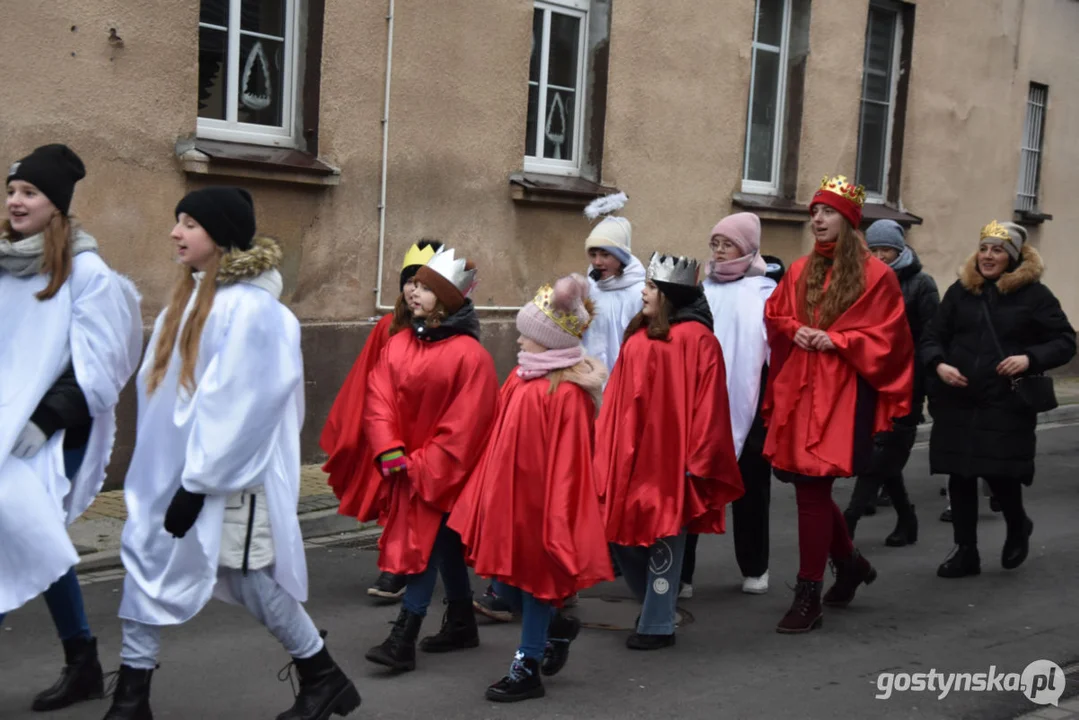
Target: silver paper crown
[(445, 264), (677, 270)]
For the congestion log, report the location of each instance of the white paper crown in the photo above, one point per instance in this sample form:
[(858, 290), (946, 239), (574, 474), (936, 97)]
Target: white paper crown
[(677, 270), (445, 264)]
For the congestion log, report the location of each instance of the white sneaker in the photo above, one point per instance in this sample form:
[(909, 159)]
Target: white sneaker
[(756, 585), (686, 592)]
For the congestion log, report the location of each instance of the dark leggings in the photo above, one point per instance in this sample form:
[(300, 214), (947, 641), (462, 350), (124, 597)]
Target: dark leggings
[(963, 494)]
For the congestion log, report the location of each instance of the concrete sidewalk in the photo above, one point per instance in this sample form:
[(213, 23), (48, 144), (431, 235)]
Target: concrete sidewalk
[(97, 533)]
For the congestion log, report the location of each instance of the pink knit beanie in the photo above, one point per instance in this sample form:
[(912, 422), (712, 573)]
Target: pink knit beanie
[(743, 229), (557, 317)]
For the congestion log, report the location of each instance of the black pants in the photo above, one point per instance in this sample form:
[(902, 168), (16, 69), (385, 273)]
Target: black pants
[(963, 494), (750, 520), (891, 451)]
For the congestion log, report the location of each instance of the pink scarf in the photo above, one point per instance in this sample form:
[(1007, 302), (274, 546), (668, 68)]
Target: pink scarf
[(536, 365), (752, 265)]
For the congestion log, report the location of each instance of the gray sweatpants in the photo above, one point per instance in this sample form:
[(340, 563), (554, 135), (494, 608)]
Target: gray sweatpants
[(267, 601)]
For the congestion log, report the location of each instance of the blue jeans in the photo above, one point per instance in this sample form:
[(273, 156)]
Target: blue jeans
[(653, 575), (64, 597), (535, 618), (447, 558)]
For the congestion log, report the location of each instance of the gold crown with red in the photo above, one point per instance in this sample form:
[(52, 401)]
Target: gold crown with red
[(570, 321), (843, 188)]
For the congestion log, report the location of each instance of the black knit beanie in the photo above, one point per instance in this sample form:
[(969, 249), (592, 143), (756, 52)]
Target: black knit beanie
[(226, 213), (52, 169), (679, 295)]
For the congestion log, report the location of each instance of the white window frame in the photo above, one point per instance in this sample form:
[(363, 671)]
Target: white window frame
[(1030, 150), (231, 129), (579, 9), (893, 89), (768, 187)]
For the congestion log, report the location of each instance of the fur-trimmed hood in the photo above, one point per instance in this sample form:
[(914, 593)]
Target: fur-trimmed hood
[(256, 266), (1029, 271)]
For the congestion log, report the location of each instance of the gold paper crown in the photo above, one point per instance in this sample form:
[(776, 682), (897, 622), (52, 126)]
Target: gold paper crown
[(417, 256), (568, 321), (997, 231), (673, 269), (843, 188)]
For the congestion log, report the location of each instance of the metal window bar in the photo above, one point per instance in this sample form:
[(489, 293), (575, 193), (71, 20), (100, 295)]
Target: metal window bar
[(1031, 149)]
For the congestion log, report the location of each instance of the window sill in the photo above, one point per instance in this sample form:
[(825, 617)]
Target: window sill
[(540, 189), (771, 207), (239, 160), (873, 211), (1031, 217)]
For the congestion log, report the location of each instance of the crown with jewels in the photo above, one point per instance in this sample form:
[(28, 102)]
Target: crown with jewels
[(571, 322), (997, 231), (445, 263), (674, 269), (843, 188), (417, 256)]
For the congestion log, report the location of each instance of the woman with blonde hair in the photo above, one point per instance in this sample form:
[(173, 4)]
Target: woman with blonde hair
[(72, 335), (841, 371), (214, 481)]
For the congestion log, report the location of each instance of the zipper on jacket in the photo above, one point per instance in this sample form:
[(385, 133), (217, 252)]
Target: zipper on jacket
[(250, 532)]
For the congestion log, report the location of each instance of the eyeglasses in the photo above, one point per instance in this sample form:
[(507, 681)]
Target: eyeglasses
[(715, 245)]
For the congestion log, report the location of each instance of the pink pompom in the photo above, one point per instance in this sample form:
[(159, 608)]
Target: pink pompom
[(570, 291)]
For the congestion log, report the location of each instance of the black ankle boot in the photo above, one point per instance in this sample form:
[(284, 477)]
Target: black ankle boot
[(458, 630), (906, 528), (851, 518), (963, 561), (324, 689), (1017, 546), (563, 631), (522, 683), (131, 700), (398, 651), (81, 679)]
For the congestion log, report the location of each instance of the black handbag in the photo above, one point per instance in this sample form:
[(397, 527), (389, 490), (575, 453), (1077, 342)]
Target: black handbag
[(1036, 392)]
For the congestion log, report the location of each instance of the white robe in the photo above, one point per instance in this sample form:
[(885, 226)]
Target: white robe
[(614, 309), (239, 430), (95, 324), (738, 311)]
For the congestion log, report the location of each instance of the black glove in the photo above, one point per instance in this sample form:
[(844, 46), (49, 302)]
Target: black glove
[(183, 512)]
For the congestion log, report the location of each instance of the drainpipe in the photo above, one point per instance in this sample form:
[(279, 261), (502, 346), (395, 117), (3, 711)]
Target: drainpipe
[(379, 305)]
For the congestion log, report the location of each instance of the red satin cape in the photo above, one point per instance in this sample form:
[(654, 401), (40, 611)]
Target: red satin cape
[(353, 475), (438, 401), (529, 515), (811, 396), (665, 414)]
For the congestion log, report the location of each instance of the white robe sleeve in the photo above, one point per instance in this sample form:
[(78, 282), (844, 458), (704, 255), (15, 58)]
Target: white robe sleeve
[(247, 388)]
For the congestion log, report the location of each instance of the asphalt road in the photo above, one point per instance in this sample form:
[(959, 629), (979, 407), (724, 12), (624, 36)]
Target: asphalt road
[(728, 662)]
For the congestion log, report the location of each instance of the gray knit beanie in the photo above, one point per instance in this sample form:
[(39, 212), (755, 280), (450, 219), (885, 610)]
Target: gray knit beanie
[(1018, 235), (885, 233)]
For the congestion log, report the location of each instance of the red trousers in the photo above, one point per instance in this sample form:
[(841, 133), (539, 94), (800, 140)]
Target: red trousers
[(822, 531)]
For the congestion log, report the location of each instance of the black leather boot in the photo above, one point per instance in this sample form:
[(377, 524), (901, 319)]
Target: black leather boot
[(906, 528), (522, 683), (849, 575), (324, 689), (458, 630), (131, 700), (398, 651), (563, 631), (963, 561), (1017, 546), (81, 679)]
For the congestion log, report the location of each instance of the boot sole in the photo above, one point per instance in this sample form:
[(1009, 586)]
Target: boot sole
[(472, 643), (50, 707), (386, 662), (531, 694), (815, 625), (968, 573), (343, 704)]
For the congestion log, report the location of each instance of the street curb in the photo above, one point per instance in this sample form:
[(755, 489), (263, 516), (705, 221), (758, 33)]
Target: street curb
[(1062, 414), (321, 523)]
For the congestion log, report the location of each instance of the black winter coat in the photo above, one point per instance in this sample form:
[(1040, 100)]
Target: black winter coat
[(921, 298), (984, 430)]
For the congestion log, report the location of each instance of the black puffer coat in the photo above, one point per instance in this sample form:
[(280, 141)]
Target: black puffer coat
[(922, 299), (984, 429)]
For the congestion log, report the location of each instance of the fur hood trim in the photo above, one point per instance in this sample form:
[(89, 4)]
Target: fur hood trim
[(239, 265), (1028, 272)]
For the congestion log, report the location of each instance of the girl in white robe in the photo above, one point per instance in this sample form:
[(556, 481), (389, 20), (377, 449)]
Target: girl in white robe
[(616, 279), (70, 338), (213, 485)]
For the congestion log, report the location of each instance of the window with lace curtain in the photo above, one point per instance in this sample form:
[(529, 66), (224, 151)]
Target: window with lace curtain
[(247, 77)]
